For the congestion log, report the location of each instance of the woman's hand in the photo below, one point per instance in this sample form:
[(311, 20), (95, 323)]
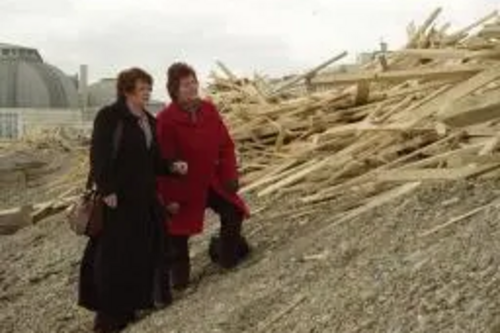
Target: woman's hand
[(180, 167), (232, 186), (173, 208), (111, 201)]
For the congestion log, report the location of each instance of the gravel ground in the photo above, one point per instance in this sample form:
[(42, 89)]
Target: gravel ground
[(374, 273)]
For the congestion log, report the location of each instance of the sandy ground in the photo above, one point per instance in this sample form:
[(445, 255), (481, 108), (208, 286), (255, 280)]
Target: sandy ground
[(374, 273)]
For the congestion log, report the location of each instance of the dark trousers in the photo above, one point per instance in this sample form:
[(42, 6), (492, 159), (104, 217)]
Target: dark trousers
[(231, 219)]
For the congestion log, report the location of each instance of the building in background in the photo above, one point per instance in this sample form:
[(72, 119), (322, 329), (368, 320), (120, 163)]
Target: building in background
[(33, 91), (27, 81), (35, 95)]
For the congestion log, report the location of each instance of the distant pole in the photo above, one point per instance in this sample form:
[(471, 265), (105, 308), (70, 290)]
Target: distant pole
[(83, 89)]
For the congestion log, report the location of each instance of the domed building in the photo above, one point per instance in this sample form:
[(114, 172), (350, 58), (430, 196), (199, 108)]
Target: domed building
[(26, 81), (101, 93)]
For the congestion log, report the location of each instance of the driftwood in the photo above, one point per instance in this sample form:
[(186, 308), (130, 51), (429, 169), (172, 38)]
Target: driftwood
[(12, 220), (15, 219)]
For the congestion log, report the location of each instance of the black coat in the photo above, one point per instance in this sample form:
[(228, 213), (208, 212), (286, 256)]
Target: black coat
[(119, 267)]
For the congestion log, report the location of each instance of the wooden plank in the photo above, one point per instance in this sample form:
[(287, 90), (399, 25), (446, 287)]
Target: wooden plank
[(440, 102), (277, 174), (47, 209), (362, 93), (490, 32), (370, 176), (462, 71), (463, 32), (450, 53), (340, 158), (266, 325), (226, 71), (12, 220), (456, 219), (471, 85), (443, 157), (490, 145), (375, 202), (293, 178), (366, 127), (309, 73), (423, 28), (435, 173), (472, 110)]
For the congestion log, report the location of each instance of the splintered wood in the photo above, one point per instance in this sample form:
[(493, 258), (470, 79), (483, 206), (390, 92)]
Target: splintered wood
[(430, 111)]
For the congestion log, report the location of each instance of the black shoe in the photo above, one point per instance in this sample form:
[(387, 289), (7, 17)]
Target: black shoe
[(227, 260), (181, 274), (105, 323)]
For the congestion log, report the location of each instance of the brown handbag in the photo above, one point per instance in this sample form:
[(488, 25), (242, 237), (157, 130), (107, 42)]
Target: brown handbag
[(85, 217)]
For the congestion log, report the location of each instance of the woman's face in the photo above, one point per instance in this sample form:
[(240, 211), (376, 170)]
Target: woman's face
[(141, 94), (188, 89)]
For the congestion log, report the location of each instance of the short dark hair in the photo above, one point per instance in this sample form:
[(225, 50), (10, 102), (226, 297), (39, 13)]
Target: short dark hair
[(127, 80), (175, 73)]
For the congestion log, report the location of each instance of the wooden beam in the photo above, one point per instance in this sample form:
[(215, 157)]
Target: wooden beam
[(456, 219), (423, 28), (11, 220), (293, 178), (492, 31), (440, 101), (463, 32), (366, 127), (462, 71), (362, 93), (450, 53), (435, 173), (472, 110), (226, 71), (467, 87), (309, 73), (375, 202), (370, 176)]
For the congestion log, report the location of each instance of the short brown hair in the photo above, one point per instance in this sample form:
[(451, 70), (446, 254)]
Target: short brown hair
[(127, 80), (175, 73)]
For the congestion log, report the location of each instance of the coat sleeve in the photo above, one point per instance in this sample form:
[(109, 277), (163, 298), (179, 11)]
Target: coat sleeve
[(227, 166), (163, 165), (169, 189), (166, 139), (101, 160)]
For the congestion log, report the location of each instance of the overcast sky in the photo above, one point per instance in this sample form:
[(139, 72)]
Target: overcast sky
[(270, 36)]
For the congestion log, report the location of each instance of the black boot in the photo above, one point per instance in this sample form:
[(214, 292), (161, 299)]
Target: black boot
[(233, 253), (180, 266), (106, 323), (230, 248), (181, 272)]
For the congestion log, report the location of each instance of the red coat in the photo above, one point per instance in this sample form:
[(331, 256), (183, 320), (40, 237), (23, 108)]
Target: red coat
[(207, 147)]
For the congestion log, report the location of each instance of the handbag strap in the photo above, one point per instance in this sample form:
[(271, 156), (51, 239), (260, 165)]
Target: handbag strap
[(117, 138)]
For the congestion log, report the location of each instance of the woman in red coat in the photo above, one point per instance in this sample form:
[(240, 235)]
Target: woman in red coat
[(191, 129)]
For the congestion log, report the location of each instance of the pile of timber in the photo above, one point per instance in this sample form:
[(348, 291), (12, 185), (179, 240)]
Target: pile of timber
[(430, 111)]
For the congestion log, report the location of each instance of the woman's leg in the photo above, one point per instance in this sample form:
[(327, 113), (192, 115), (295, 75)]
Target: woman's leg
[(232, 247), (180, 263)]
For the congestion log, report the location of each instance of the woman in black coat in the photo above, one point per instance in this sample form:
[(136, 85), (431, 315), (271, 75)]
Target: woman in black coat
[(121, 268)]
